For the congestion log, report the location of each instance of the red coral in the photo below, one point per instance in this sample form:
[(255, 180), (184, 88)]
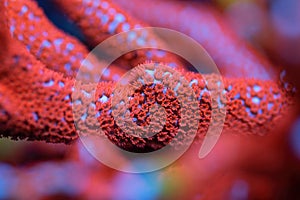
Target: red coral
[(203, 23), (36, 86), (41, 109)]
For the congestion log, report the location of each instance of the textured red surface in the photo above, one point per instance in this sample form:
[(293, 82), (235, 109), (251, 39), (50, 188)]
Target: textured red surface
[(35, 104), (41, 109)]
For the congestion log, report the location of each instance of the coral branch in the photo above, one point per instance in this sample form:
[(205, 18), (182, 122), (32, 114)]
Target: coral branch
[(234, 57), (54, 48), (36, 104), (100, 20), (41, 100)]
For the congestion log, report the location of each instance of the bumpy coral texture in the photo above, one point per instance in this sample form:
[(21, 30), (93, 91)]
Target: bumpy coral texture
[(41, 109), (252, 106), (36, 104), (37, 82)]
